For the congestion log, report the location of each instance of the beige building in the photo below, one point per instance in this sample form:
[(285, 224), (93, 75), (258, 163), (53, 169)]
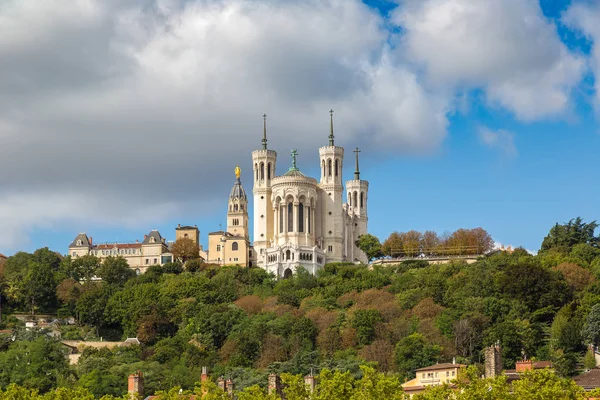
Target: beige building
[(434, 375), (153, 250), (232, 246), (303, 221)]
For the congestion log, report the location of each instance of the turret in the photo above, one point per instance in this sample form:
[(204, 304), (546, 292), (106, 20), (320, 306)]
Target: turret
[(237, 213), (264, 163), (357, 191), (332, 230)]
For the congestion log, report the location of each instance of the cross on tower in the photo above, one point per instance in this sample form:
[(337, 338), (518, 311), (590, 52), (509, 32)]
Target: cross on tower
[(357, 171), (331, 142), (294, 153)]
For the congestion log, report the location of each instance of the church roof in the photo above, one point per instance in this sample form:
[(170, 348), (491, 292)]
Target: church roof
[(294, 172), (237, 191), (153, 234)]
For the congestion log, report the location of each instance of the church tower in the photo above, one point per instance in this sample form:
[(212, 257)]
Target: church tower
[(357, 194), (237, 214), (264, 161), (332, 226)]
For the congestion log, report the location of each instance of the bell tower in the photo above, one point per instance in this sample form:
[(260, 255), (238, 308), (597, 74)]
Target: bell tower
[(237, 211), (332, 227), (264, 162), (357, 191)]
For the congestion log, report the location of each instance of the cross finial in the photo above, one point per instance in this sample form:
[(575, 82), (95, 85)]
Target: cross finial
[(294, 153), (264, 139), (331, 142), (357, 171)]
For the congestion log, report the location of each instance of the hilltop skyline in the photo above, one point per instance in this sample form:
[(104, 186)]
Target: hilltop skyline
[(141, 111)]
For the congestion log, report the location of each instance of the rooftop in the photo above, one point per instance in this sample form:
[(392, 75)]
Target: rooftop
[(589, 379), (441, 366)]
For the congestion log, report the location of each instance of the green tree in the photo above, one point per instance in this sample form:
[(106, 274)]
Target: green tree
[(370, 245), (591, 329), (38, 288), (566, 236), (413, 352), (115, 271), (80, 268), (364, 322)]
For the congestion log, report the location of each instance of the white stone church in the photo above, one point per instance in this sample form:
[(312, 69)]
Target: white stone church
[(302, 221)]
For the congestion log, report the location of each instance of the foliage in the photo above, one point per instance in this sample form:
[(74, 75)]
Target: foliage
[(565, 236), (370, 245), (185, 249)]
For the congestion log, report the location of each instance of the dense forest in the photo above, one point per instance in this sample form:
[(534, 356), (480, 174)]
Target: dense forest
[(244, 324)]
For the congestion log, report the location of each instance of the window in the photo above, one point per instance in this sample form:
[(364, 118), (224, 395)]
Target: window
[(329, 167), (269, 171), (152, 240), (330, 249), (256, 169), (290, 220), (137, 271), (301, 217), (218, 247), (79, 242), (362, 196), (147, 261), (355, 201), (235, 259), (288, 255), (423, 376), (336, 167), (452, 373), (74, 254), (447, 373), (234, 246), (308, 213), (262, 171), (155, 261), (250, 253)]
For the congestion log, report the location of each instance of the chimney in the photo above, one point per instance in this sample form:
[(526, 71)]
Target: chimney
[(221, 383), (274, 385), (91, 241), (453, 360), (135, 385), (310, 382), (178, 225), (230, 387), (145, 236), (525, 365), (204, 376)]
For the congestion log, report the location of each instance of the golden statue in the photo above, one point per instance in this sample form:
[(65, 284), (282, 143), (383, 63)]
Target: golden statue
[(238, 172)]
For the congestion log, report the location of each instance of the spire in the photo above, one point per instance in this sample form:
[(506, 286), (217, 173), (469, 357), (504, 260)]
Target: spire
[(264, 139), (331, 128), (357, 171)]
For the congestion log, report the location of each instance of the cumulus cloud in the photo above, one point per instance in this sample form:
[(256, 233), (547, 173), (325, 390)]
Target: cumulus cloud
[(145, 102), (143, 108), (499, 139), (584, 17), (506, 47)]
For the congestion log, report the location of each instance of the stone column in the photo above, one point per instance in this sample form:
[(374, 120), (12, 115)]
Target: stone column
[(295, 218)]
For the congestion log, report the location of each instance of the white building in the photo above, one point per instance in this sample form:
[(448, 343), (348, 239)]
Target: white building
[(302, 221)]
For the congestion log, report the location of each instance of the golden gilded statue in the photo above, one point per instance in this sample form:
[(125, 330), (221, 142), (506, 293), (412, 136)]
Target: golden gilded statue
[(238, 171)]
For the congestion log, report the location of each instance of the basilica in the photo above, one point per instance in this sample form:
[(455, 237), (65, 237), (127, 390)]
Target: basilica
[(303, 221), (299, 221)]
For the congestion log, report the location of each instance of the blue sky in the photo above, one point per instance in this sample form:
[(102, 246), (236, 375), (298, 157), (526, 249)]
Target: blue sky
[(509, 160)]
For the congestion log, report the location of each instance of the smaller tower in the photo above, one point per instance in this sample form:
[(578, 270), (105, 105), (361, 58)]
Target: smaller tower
[(135, 385), (493, 361), (237, 214), (357, 191)]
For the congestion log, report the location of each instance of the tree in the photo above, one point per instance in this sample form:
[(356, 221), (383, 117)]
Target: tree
[(429, 242), (412, 243), (566, 236), (591, 329), (115, 271), (185, 249), (413, 352), (80, 268), (370, 245), (38, 286), (577, 277)]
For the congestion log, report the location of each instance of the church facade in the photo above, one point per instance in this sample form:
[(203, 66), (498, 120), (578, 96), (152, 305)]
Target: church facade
[(303, 221)]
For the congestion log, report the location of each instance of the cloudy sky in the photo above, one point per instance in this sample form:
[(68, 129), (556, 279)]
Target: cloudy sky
[(121, 116)]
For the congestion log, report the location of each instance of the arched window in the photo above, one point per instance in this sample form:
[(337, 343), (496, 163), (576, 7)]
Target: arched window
[(336, 167), (329, 167), (308, 213), (185, 235), (281, 218), (362, 199), (262, 171), (290, 221), (269, 171), (235, 207), (288, 255), (355, 200), (300, 217), (256, 169), (234, 246)]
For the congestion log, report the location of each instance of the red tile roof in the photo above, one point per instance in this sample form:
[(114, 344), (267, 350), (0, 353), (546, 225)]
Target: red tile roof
[(108, 246), (589, 380)]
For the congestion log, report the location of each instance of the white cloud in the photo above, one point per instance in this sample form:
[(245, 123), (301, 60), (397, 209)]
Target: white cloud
[(584, 17), (143, 108), (499, 139), (506, 47)]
